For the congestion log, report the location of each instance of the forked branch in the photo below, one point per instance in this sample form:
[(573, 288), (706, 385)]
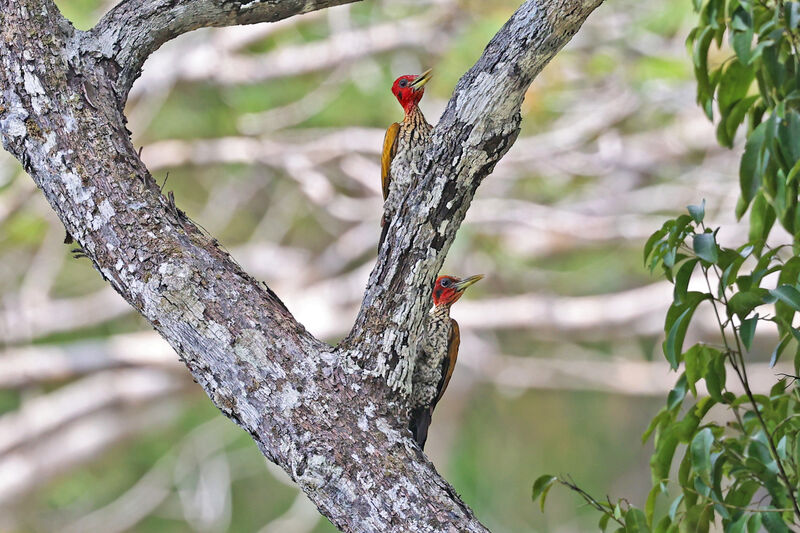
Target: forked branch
[(333, 418)]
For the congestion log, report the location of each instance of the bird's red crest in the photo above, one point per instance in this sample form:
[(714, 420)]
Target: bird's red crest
[(406, 94)]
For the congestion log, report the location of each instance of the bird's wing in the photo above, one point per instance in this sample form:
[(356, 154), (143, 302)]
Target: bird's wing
[(449, 362), (389, 151)]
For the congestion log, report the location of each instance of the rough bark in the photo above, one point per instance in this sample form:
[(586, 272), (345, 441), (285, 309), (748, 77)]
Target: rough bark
[(333, 417)]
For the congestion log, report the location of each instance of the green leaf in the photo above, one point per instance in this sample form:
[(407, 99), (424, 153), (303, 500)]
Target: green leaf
[(747, 329), (685, 475), (651, 242), (698, 212), (661, 418), (635, 521), (665, 525), (678, 231), (661, 460), (759, 452), (733, 85), (677, 394), (738, 526), (741, 42), (754, 524), (773, 522), (788, 135), (715, 377), (781, 448), (701, 454), (793, 173), (776, 353), (735, 116), (732, 98), (740, 494), (669, 260), (718, 461), (705, 247), (797, 449), (791, 14), (701, 488), (727, 256), (650, 505), (668, 440), (704, 84), (741, 18), (730, 272), (789, 275), (788, 295), (544, 496), (673, 509), (682, 280), (697, 518), (774, 68), (745, 250), (696, 359), (742, 304), (762, 218), (759, 275), (678, 318), (540, 488), (749, 170)]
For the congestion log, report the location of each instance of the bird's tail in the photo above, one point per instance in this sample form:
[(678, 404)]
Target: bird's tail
[(419, 423)]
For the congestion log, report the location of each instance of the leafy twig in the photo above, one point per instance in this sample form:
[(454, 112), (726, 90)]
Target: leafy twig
[(569, 483)]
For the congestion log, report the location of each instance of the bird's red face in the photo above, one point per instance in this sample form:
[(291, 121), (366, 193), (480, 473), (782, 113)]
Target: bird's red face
[(409, 89), (448, 289)]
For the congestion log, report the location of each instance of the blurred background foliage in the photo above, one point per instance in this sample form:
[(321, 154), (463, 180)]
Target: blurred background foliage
[(270, 135)]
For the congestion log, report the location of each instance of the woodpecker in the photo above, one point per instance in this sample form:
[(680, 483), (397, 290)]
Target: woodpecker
[(402, 138), (438, 354)]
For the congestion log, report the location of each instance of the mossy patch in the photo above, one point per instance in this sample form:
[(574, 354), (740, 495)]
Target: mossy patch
[(33, 129)]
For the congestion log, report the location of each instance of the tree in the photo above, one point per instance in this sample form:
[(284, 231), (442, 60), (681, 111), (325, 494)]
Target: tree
[(304, 402), (741, 468)]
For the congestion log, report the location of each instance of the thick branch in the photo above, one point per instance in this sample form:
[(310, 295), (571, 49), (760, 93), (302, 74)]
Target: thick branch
[(477, 128), (337, 430)]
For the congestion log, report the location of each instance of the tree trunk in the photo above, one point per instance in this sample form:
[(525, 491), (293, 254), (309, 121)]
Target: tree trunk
[(333, 417)]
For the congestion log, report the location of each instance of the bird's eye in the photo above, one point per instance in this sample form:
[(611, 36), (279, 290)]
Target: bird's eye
[(445, 282), (403, 82)]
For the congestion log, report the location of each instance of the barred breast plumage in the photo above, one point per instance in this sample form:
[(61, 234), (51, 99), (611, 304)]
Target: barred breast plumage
[(438, 353), (428, 368), (402, 144)]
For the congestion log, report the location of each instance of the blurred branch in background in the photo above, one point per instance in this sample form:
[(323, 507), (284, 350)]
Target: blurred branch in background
[(37, 365), (66, 448), (271, 136), (159, 372), (202, 449), (326, 307)]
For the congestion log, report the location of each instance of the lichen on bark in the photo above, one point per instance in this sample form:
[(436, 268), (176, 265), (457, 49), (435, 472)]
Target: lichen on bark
[(333, 417)]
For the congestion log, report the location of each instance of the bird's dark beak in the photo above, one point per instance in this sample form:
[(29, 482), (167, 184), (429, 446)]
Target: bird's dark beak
[(460, 286), (421, 80)]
